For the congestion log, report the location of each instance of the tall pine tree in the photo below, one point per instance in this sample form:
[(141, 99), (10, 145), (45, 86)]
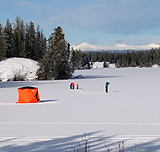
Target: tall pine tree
[(19, 33), (10, 47), (2, 43), (40, 45), (31, 41), (55, 64), (59, 54)]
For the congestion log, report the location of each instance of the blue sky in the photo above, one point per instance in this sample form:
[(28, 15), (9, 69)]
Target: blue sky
[(98, 22)]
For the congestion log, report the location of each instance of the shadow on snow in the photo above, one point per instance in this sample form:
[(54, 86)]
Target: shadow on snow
[(43, 101), (93, 76), (66, 144), (57, 144)]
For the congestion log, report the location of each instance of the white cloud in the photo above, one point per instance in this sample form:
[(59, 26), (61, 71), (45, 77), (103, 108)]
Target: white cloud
[(118, 16)]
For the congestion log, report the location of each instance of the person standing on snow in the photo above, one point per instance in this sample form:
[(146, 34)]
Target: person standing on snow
[(107, 84), (71, 86), (77, 86)]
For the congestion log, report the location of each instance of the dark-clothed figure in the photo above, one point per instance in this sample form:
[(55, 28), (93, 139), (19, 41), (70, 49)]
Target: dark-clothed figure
[(107, 84), (71, 86)]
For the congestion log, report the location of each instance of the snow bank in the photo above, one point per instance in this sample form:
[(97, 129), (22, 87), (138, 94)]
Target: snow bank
[(111, 65), (155, 66), (11, 66), (100, 65)]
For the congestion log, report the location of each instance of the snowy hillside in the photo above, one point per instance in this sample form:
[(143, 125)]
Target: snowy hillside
[(23, 66)]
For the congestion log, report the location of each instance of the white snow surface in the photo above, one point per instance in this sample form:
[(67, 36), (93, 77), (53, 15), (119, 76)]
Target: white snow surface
[(11, 66), (129, 112), (109, 65)]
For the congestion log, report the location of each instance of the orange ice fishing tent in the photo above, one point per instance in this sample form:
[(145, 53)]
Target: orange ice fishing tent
[(28, 95)]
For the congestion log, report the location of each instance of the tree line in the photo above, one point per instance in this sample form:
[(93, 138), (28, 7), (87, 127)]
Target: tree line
[(20, 40), (127, 59)]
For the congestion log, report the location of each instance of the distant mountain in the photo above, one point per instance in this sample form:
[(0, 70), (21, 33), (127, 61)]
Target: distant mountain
[(118, 47), (85, 47)]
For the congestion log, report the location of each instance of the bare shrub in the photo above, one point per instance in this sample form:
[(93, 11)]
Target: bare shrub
[(19, 76), (120, 147), (84, 146)]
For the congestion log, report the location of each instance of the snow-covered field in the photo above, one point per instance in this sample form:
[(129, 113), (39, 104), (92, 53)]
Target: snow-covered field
[(129, 112)]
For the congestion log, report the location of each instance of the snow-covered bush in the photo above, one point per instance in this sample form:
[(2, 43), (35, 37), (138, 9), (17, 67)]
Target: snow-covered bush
[(18, 69)]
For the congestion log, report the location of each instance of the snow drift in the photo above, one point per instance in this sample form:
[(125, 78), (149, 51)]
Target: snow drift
[(11, 66), (100, 65)]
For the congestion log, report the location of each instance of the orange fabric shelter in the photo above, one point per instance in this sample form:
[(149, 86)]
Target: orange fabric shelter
[(28, 95)]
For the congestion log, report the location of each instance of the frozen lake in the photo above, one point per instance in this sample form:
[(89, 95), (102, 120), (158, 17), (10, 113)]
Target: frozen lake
[(129, 112)]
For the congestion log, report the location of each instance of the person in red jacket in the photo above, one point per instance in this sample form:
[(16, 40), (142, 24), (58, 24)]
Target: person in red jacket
[(73, 85), (77, 86)]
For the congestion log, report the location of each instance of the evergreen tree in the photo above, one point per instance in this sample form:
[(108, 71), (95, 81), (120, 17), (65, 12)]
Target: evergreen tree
[(60, 54), (27, 40), (9, 39), (57, 59), (140, 59), (158, 54), (71, 60), (155, 56), (123, 60), (2, 43), (45, 70), (31, 41), (40, 44), (127, 58), (104, 64), (19, 34), (77, 59), (87, 63), (133, 59)]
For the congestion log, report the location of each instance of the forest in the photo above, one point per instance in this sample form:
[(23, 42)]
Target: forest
[(25, 40), (20, 40), (135, 58)]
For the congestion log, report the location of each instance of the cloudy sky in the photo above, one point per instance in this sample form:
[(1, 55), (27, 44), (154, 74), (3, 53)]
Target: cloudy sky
[(98, 22)]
